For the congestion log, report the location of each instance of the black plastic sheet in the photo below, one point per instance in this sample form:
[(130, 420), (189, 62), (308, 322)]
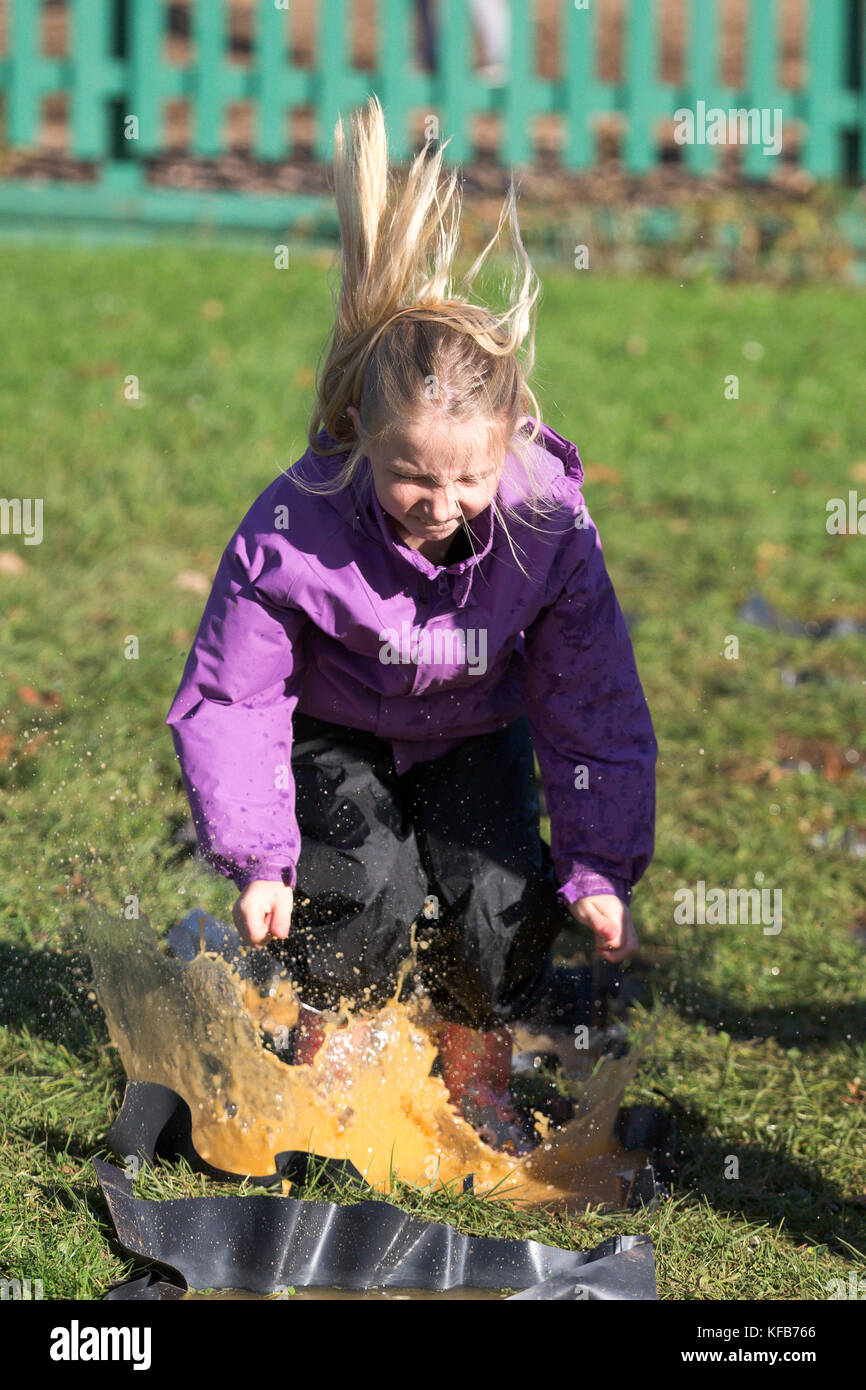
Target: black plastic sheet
[(266, 1245), (263, 1245)]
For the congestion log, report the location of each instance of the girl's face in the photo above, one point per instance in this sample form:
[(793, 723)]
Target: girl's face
[(429, 478)]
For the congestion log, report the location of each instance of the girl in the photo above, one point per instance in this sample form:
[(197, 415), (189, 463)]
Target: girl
[(397, 623)]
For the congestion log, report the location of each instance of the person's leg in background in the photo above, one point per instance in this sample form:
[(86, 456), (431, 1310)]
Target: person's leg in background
[(492, 20), (360, 883), (492, 23), (426, 29), (475, 813)]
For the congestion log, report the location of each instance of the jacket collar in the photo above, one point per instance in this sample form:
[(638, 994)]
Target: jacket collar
[(482, 528)]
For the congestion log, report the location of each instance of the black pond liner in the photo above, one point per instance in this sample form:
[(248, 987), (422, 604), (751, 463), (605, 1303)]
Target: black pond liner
[(263, 1245)]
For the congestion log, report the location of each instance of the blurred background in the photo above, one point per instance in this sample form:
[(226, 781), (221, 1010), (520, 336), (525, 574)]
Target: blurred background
[(116, 109), (169, 250)]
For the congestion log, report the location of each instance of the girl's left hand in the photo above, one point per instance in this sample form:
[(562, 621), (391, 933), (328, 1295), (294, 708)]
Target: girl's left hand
[(610, 919)]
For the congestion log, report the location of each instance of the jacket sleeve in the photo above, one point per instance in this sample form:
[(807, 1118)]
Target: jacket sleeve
[(231, 719), (591, 727)]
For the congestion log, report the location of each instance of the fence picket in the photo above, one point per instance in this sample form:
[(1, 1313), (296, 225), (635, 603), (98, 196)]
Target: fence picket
[(332, 74), (209, 26), (823, 154), (701, 76), (145, 69), (395, 89), (761, 83), (639, 146), (859, 65), (520, 95), (454, 77), (271, 61), (89, 129), (24, 106), (578, 85)]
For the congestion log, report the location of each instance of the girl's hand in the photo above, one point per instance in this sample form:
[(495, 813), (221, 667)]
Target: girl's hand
[(610, 919), (263, 909)]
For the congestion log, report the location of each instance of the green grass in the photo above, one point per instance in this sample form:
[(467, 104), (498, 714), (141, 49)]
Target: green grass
[(698, 500)]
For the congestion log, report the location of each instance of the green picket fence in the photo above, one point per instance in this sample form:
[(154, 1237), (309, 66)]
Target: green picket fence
[(116, 81)]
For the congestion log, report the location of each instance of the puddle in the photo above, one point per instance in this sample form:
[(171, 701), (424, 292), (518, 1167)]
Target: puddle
[(760, 613), (368, 1096)]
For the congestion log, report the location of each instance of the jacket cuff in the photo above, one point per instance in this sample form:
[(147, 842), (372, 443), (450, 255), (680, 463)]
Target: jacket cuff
[(268, 870), (585, 882)]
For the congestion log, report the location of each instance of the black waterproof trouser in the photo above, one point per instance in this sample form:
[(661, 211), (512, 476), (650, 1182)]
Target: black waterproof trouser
[(462, 828)]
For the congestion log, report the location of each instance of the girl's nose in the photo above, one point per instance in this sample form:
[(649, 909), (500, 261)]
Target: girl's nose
[(444, 505)]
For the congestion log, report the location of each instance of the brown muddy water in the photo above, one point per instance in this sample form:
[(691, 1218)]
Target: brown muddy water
[(368, 1096)]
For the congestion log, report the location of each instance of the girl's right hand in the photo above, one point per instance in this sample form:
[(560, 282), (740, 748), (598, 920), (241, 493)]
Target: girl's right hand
[(263, 909)]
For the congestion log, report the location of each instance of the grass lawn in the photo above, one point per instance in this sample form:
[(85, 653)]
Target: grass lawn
[(699, 500)]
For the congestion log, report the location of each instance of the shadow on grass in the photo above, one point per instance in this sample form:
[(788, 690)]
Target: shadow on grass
[(802, 1022), (799, 1024), (72, 1196), (46, 993), (769, 1186)]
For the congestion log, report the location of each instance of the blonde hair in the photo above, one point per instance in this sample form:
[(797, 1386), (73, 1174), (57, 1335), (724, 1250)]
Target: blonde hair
[(403, 344)]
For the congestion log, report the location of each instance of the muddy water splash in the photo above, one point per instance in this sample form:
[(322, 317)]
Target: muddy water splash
[(368, 1096)]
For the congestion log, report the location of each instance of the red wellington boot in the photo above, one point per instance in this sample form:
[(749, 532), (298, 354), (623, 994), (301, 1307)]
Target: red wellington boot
[(309, 1036), (476, 1068)]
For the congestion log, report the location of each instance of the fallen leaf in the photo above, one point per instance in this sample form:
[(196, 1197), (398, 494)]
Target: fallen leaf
[(86, 369), (193, 582), (10, 563), (822, 754), (46, 699), (766, 553), (600, 473)]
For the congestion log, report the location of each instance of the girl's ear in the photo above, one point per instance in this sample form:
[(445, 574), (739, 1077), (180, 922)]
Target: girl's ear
[(354, 417)]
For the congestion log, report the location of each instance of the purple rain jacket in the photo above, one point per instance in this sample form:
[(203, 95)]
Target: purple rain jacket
[(317, 606)]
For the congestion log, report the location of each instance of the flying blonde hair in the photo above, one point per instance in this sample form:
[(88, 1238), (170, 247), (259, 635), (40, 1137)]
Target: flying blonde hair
[(403, 345)]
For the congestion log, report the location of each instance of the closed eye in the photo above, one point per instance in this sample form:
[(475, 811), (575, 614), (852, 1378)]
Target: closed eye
[(418, 478)]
